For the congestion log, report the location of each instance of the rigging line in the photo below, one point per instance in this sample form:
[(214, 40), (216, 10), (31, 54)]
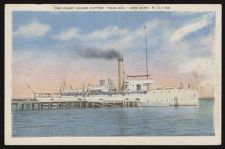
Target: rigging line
[(146, 46), (60, 66)]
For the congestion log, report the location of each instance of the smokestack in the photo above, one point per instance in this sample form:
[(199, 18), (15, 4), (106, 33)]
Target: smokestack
[(121, 75)]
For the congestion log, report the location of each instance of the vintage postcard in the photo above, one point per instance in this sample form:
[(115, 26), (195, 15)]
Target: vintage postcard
[(85, 74)]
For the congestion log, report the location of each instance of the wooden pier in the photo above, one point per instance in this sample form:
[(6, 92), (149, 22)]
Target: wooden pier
[(25, 105)]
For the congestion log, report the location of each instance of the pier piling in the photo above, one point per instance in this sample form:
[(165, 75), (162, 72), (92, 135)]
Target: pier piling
[(35, 105)]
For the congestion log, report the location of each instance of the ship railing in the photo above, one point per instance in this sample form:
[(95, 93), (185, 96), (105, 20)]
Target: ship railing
[(88, 93), (24, 100), (42, 94), (102, 93), (47, 94)]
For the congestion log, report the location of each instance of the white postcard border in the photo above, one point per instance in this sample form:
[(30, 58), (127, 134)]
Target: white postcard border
[(171, 140)]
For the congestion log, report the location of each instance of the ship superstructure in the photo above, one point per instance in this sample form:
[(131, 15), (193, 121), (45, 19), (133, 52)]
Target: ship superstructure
[(144, 91)]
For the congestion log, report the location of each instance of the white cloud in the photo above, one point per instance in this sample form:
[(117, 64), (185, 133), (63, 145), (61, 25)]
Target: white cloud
[(108, 32), (67, 35), (110, 37), (33, 29), (192, 27)]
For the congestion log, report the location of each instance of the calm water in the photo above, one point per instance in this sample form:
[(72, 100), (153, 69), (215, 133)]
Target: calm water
[(145, 121)]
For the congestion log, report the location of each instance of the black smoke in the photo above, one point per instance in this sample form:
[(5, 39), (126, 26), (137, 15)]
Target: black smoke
[(99, 54)]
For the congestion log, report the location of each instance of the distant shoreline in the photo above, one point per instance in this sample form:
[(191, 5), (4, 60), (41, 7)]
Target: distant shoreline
[(206, 98)]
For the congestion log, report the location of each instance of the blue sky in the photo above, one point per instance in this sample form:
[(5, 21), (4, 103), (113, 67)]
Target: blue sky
[(178, 43), (91, 21)]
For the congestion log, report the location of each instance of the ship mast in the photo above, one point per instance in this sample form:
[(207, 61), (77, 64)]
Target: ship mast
[(28, 85), (146, 58), (146, 48)]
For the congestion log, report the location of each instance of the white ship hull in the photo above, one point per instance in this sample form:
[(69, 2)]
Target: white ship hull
[(168, 97), (175, 97), (152, 104)]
